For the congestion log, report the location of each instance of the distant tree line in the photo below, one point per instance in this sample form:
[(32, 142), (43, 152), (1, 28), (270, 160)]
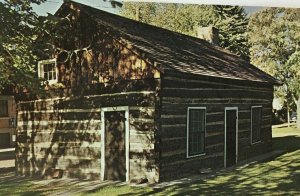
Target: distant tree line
[(231, 21), (270, 38)]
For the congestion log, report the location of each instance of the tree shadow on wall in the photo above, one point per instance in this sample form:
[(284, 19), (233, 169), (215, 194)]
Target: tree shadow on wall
[(63, 140), (58, 140)]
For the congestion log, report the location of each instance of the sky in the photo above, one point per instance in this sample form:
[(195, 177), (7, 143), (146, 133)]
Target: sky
[(51, 6), (259, 3), (252, 5)]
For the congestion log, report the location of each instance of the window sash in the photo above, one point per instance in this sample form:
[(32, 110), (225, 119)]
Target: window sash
[(196, 131), (256, 117), (48, 70)]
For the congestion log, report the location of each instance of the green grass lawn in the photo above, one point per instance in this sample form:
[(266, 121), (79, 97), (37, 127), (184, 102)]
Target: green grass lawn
[(278, 176)]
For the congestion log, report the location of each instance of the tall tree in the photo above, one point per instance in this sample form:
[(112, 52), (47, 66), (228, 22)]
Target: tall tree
[(24, 37), (232, 25), (19, 28), (274, 37), (230, 20), (176, 17), (143, 12)]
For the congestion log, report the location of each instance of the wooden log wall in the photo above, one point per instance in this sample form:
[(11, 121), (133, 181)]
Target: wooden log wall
[(63, 134), (97, 68), (180, 91), (92, 53)]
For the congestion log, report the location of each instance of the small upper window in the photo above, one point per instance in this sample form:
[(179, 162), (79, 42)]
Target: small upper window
[(196, 131), (47, 70), (256, 115), (3, 108)]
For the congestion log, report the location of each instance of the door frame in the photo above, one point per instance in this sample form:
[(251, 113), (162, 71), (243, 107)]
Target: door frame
[(116, 109), (236, 134)]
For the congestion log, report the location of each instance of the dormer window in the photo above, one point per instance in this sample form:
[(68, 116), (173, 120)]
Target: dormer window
[(47, 70)]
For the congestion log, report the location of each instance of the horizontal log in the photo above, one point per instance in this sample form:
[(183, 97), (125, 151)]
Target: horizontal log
[(137, 146), (146, 113), (146, 138), (71, 158), (190, 167), (147, 154), (222, 93), (203, 89), (59, 127), (215, 139), (69, 144), (92, 110), (182, 81), (250, 100), (65, 152), (181, 108), (43, 122), (218, 107), (209, 149), (28, 132), (55, 116), (181, 160), (133, 98)]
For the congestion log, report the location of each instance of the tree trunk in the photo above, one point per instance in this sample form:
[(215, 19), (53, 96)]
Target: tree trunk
[(137, 13), (288, 114), (298, 112)]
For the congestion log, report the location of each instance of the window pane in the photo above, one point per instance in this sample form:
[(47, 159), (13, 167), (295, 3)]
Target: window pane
[(256, 124), (196, 131), (46, 75), (54, 75), (49, 71), (45, 68), (3, 108)]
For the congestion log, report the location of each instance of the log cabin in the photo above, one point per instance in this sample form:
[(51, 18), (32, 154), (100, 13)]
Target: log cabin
[(129, 101)]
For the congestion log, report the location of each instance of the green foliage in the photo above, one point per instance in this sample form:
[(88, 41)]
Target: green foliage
[(143, 12), (274, 37), (230, 20), (20, 27), (232, 25), (175, 17)]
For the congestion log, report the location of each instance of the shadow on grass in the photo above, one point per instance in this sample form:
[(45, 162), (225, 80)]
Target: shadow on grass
[(10, 184), (16, 185), (287, 143), (279, 175)]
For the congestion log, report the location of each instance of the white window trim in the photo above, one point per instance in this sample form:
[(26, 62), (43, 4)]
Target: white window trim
[(41, 69), (187, 132), (253, 143)]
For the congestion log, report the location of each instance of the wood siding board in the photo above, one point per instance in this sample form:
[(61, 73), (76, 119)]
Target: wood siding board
[(180, 91), (78, 126)]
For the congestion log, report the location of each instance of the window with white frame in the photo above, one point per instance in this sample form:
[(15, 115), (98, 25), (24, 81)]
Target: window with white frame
[(196, 131), (47, 70), (256, 116)]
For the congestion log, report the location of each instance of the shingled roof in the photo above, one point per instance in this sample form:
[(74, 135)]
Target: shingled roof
[(177, 51)]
